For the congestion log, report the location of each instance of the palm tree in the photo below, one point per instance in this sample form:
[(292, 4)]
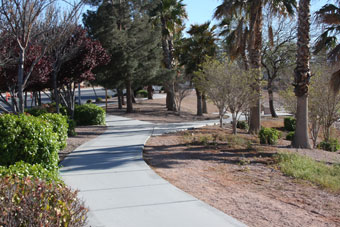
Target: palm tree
[(328, 16), (195, 50), (302, 76), (252, 10), (171, 14)]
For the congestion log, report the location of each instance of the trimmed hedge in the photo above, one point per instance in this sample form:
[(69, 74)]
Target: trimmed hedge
[(60, 127), (35, 171), (289, 123), (89, 114), (33, 202), (29, 139), (332, 145), (36, 111), (269, 136)]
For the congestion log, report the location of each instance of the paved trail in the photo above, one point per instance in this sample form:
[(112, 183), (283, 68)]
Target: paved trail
[(122, 191)]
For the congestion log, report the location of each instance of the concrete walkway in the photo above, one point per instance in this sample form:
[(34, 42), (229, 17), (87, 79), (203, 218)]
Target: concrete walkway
[(120, 188)]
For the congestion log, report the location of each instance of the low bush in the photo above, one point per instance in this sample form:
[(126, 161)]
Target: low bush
[(89, 101), (269, 136), (142, 93), (99, 99), (289, 123), (303, 167), (242, 125), (332, 145), (290, 136), (36, 111), (71, 127), (60, 127), (34, 202), (109, 96), (89, 114), (36, 171), (29, 139)]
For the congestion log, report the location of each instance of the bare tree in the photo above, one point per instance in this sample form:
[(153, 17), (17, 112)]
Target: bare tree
[(228, 86), (31, 22), (182, 88)]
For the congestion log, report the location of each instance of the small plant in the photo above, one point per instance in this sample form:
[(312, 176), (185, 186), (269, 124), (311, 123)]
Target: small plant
[(268, 136), (142, 93), (242, 125), (89, 101), (109, 96), (71, 127), (36, 171), (34, 202), (99, 99), (29, 139), (303, 167), (36, 111), (289, 123), (332, 145), (59, 125), (235, 141), (89, 114), (290, 136)]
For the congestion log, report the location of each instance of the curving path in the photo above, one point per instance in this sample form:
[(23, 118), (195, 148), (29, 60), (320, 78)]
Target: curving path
[(121, 189)]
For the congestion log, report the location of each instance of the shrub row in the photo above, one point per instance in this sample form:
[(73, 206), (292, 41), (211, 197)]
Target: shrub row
[(34, 202), (29, 139), (89, 114)]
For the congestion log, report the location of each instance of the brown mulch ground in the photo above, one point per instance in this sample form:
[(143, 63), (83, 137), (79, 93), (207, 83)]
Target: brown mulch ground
[(243, 183), (84, 134)]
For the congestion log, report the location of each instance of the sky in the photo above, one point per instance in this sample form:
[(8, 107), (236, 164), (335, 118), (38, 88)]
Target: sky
[(200, 11)]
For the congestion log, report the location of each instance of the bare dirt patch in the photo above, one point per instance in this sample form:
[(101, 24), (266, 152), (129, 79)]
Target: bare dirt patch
[(155, 111), (84, 134), (242, 181)]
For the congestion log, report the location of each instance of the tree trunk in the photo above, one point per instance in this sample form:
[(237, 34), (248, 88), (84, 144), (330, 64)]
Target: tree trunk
[(221, 120), (204, 102), (39, 100), (123, 99), (271, 99), (302, 76), (133, 97), (129, 106), (120, 98), (301, 139), (21, 81), (55, 89), (255, 62), (234, 117), (170, 101), (150, 92), (25, 99), (199, 103)]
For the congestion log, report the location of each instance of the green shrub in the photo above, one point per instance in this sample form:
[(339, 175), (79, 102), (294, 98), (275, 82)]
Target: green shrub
[(330, 145), (29, 139), (36, 111), (60, 126), (89, 101), (71, 127), (142, 93), (303, 167), (34, 202), (99, 99), (89, 114), (109, 96), (268, 135), (290, 136), (21, 170), (242, 125), (289, 123)]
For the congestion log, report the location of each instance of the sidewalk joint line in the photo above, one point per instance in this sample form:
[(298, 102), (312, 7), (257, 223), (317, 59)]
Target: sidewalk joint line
[(127, 187)]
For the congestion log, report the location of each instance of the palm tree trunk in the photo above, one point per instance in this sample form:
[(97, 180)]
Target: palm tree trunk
[(255, 62), (302, 76)]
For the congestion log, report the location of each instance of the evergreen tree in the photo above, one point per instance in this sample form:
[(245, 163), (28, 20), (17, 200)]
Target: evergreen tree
[(125, 30)]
